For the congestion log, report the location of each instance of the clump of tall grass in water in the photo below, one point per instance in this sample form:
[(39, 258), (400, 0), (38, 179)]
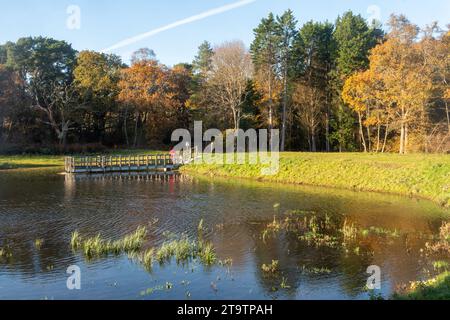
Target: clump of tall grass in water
[(270, 268), (181, 249), (207, 254), (38, 243), (349, 231), (184, 250), (5, 253), (97, 246), (442, 245), (146, 258), (75, 241)]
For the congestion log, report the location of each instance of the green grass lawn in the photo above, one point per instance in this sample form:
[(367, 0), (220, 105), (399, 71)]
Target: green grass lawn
[(419, 175)]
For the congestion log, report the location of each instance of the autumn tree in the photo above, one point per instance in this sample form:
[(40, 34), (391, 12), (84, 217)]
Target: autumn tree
[(143, 92), (96, 78), (401, 64), (308, 102), (315, 51), (353, 39), (364, 92), (231, 70)]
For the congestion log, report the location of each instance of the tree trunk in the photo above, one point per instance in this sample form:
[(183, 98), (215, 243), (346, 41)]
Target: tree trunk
[(327, 129), (313, 142), (270, 107), (386, 133), (378, 136), (125, 128), (402, 138), (448, 116), (405, 146), (361, 132), (283, 125), (136, 127)]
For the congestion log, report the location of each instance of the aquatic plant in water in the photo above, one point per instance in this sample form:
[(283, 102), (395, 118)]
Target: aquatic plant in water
[(97, 246), (270, 268), (38, 243), (442, 245)]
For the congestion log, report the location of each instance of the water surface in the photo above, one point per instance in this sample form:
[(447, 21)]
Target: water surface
[(41, 204)]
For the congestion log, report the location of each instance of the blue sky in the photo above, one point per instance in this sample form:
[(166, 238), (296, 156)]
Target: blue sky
[(107, 22)]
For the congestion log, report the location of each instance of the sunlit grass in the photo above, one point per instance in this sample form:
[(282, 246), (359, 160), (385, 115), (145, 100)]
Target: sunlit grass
[(97, 246), (437, 288), (184, 250), (420, 175)]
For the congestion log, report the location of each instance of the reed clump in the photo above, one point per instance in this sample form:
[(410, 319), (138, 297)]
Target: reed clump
[(97, 246), (38, 243), (184, 250), (442, 245), (271, 268)]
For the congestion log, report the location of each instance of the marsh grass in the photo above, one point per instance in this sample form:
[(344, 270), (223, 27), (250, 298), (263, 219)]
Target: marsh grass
[(97, 246), (380, 232), (184, 250), (38, 243), (442, 243), (440, 265), (180, 248), (349, 231), (284, 283), (5, 252), (323, 230), (315, 270), (271, 268)]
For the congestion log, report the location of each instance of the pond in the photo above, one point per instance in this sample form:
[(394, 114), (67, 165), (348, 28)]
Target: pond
[(314, 243)]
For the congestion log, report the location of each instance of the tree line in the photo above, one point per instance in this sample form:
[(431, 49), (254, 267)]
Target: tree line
[(343, 86)]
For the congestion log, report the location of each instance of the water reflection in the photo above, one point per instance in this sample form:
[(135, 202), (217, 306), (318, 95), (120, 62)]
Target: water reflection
[(40, 204)]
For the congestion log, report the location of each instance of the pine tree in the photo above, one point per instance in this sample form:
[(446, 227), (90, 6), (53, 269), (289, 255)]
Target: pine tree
[(264, 55), (354, 39), (203, 60), (286, 30)]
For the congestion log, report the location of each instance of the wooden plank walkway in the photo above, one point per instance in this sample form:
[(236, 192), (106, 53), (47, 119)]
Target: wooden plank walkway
[(134, 163)]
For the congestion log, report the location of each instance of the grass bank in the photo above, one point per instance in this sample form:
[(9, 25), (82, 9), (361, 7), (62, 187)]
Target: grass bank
[(418, 175), (437, 288)]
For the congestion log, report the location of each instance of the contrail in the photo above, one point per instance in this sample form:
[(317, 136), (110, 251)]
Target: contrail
[(191, 19)]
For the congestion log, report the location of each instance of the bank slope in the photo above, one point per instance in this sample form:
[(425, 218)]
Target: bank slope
[(418, 175)]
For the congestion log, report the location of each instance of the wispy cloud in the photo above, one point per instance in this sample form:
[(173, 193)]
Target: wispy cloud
[(176, 24)]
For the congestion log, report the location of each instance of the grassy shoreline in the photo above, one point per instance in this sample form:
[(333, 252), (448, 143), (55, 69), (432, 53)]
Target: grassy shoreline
[(416, 175)]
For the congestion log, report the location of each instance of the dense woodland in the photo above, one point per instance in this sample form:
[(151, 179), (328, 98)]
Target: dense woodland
[(342, 86)]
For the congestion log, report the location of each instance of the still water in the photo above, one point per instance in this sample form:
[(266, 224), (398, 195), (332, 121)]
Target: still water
[(41, 204)]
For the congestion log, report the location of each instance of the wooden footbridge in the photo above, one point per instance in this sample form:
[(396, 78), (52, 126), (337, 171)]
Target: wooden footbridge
[(130, 163)]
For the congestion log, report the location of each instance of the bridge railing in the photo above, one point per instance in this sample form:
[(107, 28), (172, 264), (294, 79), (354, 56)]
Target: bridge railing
[(118, 163)]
